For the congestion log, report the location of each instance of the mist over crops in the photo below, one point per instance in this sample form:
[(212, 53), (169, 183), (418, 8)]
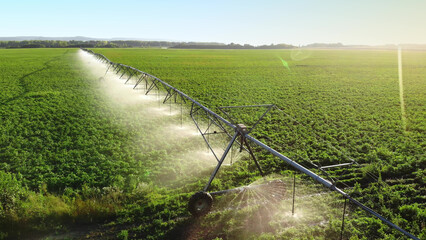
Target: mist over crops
[(158, 127)]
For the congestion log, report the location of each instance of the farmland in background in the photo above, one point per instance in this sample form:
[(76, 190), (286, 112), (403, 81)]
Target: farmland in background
[(70, 156)]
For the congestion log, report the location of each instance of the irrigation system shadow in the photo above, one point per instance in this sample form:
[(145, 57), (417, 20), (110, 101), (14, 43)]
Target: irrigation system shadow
[(24, 85)]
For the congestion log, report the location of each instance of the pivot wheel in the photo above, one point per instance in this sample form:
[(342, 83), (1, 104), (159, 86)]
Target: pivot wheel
[(200, 203)]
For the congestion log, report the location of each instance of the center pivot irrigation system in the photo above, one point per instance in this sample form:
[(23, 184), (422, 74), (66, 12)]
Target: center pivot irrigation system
[(200, 203)]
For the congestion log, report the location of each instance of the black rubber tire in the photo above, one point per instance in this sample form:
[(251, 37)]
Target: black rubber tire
[(200, 204)]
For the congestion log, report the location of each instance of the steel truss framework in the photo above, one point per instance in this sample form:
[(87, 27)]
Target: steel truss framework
[(151, 82)]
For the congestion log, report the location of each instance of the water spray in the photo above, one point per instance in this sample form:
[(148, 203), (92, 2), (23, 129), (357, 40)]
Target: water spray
[(401, 90)]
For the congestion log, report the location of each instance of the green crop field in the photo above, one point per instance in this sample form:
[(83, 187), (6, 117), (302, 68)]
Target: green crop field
[(80, 158), (350, 98)]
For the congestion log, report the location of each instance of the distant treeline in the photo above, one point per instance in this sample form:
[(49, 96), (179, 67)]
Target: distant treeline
[(182, 45), (85, 44), (232, 46), (324, 45), (132, 44)]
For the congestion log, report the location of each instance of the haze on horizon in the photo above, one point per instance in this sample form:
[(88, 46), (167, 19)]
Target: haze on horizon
[(252, 22)]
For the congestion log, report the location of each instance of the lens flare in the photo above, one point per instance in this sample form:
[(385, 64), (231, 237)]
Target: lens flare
[(285, 64), (299, 54)]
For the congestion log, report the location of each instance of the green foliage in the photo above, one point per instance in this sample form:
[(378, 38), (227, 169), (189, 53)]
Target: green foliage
[(12, 192), (70, 156), (123, 235)]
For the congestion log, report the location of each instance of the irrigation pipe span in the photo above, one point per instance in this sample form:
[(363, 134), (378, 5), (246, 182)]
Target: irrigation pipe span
[(172, 90)]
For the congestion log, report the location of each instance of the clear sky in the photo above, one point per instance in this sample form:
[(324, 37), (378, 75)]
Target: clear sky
[(255, 22)]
